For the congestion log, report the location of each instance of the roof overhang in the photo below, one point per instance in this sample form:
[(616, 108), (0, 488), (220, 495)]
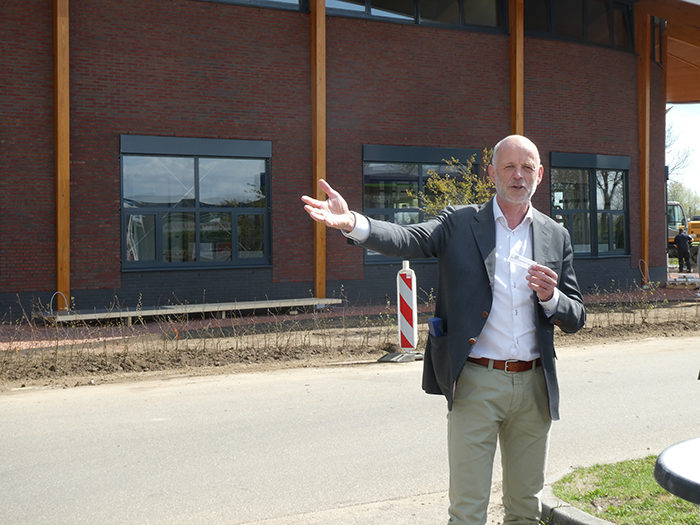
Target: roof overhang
[(683, 47)]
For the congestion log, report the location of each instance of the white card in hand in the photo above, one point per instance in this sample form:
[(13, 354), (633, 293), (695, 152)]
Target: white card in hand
[(520, 260)]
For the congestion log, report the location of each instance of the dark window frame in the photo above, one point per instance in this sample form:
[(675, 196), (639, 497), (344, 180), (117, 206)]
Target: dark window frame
[(592, 164), (196, 149)]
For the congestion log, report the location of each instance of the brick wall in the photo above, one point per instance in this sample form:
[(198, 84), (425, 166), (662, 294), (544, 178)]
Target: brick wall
[(27, 209), (184, 68), (406, 86), (201, 69)]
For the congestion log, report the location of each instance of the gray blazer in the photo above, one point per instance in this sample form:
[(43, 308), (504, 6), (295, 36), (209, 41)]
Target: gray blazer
[(463, 238)]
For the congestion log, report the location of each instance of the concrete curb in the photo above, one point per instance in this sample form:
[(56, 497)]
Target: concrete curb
[(562, 513)]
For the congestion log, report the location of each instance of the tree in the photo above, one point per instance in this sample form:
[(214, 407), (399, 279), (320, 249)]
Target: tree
[(461, 184), (689, 199)]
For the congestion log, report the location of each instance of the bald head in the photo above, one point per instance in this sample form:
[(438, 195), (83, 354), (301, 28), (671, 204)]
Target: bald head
[(515, 141)]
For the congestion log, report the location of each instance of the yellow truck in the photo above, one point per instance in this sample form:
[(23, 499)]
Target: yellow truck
[(675, 219)]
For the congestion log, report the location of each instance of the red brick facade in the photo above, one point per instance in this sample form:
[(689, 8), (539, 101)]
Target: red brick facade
[(203, 69)]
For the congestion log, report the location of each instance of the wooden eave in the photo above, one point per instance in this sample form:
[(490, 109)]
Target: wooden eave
[(683, 47)]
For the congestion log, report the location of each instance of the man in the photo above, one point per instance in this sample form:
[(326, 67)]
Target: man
[(495, 363), (682, 243)]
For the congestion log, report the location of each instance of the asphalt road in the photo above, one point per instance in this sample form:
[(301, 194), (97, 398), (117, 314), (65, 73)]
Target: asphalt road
[(354, 445)]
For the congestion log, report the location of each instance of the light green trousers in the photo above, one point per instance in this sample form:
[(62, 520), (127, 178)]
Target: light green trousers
[(493, 406)]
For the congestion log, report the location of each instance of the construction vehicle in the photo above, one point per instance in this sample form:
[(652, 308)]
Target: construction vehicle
[(676, 219)]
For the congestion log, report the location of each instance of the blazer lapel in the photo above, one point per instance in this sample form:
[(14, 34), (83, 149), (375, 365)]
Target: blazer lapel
[(484, 230), (541, 235)]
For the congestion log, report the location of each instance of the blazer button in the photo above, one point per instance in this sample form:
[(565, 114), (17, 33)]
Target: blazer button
[(484, 314), (472, 341)]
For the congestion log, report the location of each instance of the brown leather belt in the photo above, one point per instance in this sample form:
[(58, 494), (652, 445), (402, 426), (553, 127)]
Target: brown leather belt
[(509, 366)]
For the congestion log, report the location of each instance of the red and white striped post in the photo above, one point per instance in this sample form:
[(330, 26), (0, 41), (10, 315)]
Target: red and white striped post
[(408, 308)]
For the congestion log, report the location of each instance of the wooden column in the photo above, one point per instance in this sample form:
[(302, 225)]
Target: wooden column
[(62, 141), (642, 23), (318, 131), (516, 16)]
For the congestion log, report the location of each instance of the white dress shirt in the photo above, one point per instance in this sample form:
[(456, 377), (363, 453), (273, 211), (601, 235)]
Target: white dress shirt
[(510, 330)]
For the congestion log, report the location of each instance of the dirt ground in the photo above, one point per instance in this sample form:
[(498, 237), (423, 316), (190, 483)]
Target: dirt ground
[(38, 356)]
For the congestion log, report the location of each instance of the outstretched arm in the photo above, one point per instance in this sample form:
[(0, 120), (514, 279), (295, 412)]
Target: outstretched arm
[(333, 212)]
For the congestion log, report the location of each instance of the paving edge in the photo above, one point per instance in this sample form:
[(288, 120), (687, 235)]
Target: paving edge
[(562, 513)]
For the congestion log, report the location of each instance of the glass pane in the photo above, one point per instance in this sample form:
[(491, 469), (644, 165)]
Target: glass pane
[(178, 237), (568, 19), (233, 183), (481, 12), (158, 181), (348, 5), (251, 239), (569, 189), (215, 238), (619, 233), (564, 220), (407, 217), (603, 232), (582, 232), (443, 11), (536, 16), (610, 188), (622, 24), (140, 237), (599, 21), (386, 185), (399, 9), (378, 217)]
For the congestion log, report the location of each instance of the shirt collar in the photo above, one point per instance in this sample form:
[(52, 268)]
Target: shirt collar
[(499, 217)]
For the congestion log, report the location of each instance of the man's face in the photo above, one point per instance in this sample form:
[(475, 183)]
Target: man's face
[(517, 172)]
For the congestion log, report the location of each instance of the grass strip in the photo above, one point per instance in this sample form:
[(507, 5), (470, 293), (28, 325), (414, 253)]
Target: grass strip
[(625, 493)]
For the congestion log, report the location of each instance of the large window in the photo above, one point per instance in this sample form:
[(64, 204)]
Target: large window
[(606, 22), (194, 202), (390, 171), (590, 199), (488, 13)]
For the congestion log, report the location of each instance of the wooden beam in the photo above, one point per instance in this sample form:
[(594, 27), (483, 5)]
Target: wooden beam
[(318, 132), (516, 17), (642, 22), (62, 145)]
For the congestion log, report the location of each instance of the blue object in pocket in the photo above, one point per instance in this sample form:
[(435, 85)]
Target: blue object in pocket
[(434, 327)]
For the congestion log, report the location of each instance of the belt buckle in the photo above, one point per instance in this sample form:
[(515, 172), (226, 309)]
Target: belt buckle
[(505, 366)]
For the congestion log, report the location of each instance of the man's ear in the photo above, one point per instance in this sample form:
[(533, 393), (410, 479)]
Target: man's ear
[(540, 174), (492, 173)]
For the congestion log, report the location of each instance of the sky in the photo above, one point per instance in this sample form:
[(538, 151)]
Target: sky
[(685, 119)]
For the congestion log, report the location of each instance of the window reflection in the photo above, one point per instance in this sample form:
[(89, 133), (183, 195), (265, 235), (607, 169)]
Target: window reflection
[(574, 207), (158, 181), (399, 9), (443, 12), (350, 5), (141, 238), (232, 182), (599, 21), (178, 237), (251, 240), (215, 236)]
